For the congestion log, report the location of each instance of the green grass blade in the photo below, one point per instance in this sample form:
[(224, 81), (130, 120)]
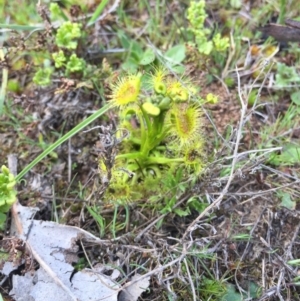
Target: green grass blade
[(21, 27), (3, 84), (61, 140), (97, 12)]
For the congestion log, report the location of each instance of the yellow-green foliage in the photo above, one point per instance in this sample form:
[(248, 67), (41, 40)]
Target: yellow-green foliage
[(196, 15), (7, 193), (163, 117)]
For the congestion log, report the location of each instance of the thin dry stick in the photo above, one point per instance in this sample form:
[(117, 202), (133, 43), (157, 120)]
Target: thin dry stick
[(279, 258), (234, 161), (289, 248), (245, 252), (230, 57), (153, 272), (190, 279), (281, 277), (263, 273), (251, 193)]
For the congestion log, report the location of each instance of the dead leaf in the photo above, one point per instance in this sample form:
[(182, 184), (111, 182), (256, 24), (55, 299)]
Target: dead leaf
[(52, 244), (132, 292), (55, 248)]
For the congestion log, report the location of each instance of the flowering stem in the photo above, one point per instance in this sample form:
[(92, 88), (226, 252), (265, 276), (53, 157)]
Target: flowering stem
[(144, 160), (145, 132), (163, 160), (134, 156), (153, 134)]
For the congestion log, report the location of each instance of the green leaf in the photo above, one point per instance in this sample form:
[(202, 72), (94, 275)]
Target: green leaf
[(130, 65), (2, 221), (75, 64), (22, 27), (236, 4), (67, 34), (7, 191), (254, 290), (176, 69), (286, 200), (176, 54), (136, 48), (56, 12), (124, 40), (43, 76), (99, 220), (98, 12), (290, 155), (148, 57), (64, 138), (233, 295), (286, 75), (206, 47), (196, 204), (159, 224), (296, 98), (294, 262), (59, 58), (181, 212)]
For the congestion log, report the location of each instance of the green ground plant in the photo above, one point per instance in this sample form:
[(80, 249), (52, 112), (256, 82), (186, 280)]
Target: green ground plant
[(138, 58), (67, 40), (210, 45), (161, 131), (7, 193), (65, 60)]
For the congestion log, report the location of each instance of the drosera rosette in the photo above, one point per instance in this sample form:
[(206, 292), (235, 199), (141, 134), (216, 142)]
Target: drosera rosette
[(164, 119)]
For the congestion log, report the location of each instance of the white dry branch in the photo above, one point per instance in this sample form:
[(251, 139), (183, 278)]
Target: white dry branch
[(132, 292)]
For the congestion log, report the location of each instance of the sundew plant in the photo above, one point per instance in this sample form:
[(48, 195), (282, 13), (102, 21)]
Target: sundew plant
[(163, 118)]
